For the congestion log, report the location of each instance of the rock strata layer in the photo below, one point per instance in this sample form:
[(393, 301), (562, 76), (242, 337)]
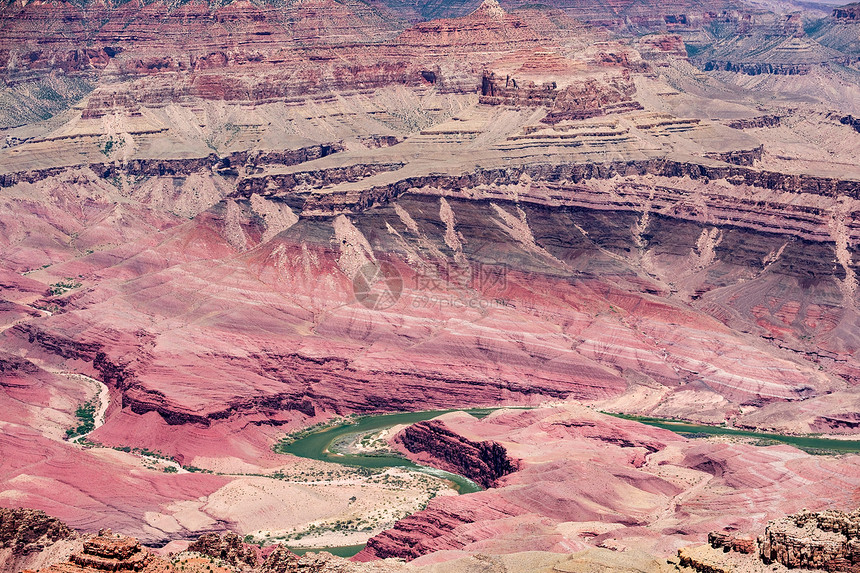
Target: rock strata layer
[(814, 540), (27, 530)]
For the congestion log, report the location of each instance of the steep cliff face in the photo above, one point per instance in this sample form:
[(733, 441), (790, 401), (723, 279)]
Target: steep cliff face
[(571, 174), (247, 52), (144, 168), (148, 39), (482, 462), (729, 542), (827, 540)]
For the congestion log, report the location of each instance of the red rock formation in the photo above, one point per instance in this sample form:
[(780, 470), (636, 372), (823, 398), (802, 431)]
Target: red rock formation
[(441, 526), (583, 98), (83, 489), (489, 28), (482, 462), (127, 32), (247, 52), (287, 377), (665, 44), (824, 540), (529, 273), (28, 531), (229, 548), (730, 542), (280, 560)]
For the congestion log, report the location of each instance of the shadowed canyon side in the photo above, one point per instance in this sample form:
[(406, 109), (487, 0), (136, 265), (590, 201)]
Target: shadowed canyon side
[(225, 226)]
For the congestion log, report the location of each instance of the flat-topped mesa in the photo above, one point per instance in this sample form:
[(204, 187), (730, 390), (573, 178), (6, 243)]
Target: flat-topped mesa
[(110, 552), (816, 540), (489, 29), (662, 46), (591, 96), (847, 12)]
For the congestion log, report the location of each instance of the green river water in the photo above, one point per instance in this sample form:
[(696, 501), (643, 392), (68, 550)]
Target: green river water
[(340, 550), (318, 446), (811, 444)]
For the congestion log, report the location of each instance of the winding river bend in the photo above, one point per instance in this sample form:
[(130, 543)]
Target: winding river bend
[(319, 445)]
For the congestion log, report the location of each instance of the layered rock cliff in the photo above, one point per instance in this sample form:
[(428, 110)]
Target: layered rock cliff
[(590, 97), (482, 462), (815, 540), (28, 531), (227, 165), (847, 12)]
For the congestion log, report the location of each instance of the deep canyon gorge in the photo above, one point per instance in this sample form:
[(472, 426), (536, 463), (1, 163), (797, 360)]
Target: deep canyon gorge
[(227, 225)]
